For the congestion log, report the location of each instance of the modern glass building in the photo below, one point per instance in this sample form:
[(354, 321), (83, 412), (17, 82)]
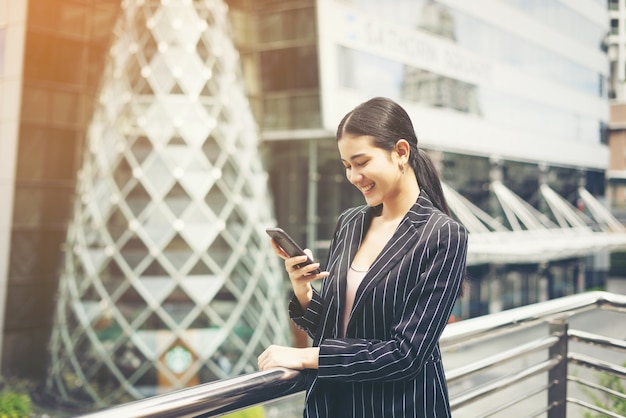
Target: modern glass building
[(616, 45), (510, 98)]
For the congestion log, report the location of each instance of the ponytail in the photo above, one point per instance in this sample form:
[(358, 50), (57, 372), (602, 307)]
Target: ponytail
[(429, 180)]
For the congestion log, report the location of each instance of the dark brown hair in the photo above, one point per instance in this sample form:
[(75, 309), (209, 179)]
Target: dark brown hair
[(387, 122)]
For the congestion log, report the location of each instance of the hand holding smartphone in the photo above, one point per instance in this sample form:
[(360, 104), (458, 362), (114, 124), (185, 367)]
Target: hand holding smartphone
[(289, 245)]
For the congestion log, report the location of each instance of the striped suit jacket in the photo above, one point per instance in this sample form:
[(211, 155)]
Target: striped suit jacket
[(389, 363)]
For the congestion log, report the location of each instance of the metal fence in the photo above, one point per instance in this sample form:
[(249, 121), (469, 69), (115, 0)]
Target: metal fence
[(484, 376)]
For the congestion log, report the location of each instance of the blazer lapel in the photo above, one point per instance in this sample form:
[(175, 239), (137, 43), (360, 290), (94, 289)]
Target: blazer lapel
[(403, 240), (352, 237)]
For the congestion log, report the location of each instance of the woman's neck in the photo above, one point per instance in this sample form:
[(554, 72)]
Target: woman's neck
[(404, 200)]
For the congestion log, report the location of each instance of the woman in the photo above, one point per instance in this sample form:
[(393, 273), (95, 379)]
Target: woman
[(394, 271)]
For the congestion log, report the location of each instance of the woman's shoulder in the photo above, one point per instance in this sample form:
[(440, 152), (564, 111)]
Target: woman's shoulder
[(350, 214), (426, 214)]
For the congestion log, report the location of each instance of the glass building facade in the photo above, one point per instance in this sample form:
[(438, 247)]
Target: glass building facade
[(168, 279), (52, 53)]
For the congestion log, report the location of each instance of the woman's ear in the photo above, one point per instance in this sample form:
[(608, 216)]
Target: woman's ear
[(403, 149)]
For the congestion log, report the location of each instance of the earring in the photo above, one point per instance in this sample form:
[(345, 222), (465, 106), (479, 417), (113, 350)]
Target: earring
[(401, 168)]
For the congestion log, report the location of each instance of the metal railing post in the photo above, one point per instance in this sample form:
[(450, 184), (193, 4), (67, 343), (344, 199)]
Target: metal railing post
[(557, 377)]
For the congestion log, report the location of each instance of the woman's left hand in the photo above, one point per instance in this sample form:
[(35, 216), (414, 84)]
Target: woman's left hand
[(289, 357)]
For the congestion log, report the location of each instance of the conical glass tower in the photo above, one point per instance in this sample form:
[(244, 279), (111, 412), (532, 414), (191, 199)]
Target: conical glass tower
[(168, 278)]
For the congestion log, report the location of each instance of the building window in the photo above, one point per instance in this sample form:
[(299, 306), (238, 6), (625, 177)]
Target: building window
[(289, 68), (613, 4), (614, 26)]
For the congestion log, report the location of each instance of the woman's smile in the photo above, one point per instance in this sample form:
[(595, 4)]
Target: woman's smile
[(366, 189)]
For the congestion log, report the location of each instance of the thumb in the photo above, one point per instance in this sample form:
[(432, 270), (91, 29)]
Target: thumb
[(309, 253)]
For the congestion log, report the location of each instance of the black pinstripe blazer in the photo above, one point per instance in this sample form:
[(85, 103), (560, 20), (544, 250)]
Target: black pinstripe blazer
[(389, 363)]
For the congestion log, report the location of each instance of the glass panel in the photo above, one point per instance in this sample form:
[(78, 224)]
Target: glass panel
[(36, 104), (219, 251), (178, 305), (122, 173), (306, 112), (102, 16), (160, 176), (117, 224), (289, 68), (178, 252), (40, 205), (72, 18), (303, 23), (271, 27), (158, 227), (66, 108), (199, 229), (276, 113), (28, 205), (161, 78), (31, 253), (51, 58), (138, 199), (134, 252), (177, 200)]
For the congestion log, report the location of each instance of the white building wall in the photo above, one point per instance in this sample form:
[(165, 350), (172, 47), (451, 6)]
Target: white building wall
[(12, 34), (447, 130), (617, 49)]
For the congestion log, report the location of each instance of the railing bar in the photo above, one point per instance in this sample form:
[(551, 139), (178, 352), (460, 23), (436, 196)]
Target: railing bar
[(480, 328), (613, 308), (541, 411), (515, 401), (208, 397), (597, 340), (497, 359), (594, 408), (498, 384), (596, 387), (593, 363)]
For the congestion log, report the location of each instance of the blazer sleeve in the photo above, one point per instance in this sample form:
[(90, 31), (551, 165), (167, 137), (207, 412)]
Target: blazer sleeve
[(418, 324), (308, 319)]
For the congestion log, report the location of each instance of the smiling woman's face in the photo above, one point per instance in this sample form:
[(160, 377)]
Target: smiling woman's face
[(372, 170)]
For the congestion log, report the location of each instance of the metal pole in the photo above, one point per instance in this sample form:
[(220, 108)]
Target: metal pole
[(557, 376)]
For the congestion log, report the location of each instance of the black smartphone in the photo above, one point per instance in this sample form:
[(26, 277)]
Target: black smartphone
[(289, 245)]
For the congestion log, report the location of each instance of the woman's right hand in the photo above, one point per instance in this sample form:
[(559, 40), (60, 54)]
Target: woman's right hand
[(300, 277)]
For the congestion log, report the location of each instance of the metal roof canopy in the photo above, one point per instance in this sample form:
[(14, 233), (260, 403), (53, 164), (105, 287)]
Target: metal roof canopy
[(533, 237)]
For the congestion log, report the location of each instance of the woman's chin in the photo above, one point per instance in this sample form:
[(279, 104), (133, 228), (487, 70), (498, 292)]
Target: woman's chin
[(372, 201)]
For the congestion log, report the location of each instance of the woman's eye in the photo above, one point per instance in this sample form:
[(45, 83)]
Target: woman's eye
[(362, 164)]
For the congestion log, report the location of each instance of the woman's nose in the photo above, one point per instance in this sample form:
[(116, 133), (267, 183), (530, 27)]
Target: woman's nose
[(353, 176)]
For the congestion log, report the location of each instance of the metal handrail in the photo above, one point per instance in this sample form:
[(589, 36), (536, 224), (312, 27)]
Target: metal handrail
[(496, 385), (211, 399), (488, 326), (500, 358), (216, 398)]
